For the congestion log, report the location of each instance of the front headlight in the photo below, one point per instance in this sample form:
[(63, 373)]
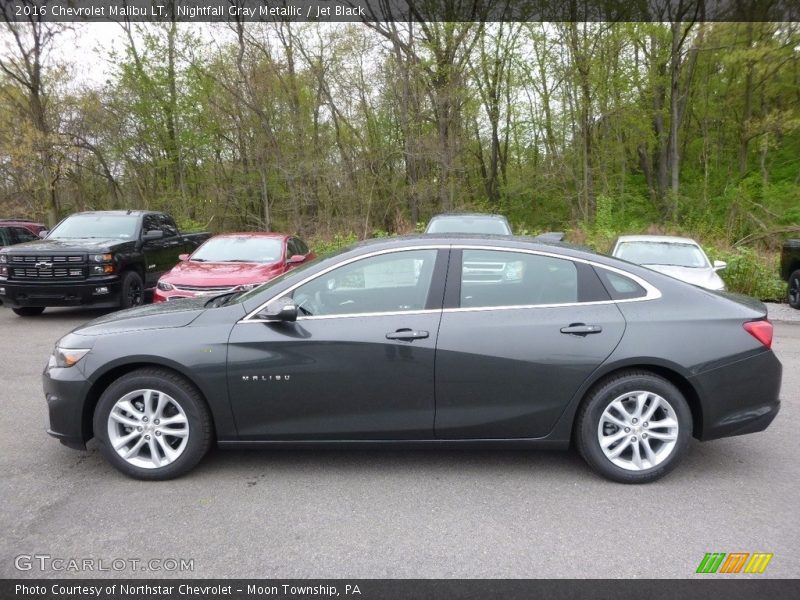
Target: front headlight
[(69, 357), (99, 258), (3, 258), (164, 286)]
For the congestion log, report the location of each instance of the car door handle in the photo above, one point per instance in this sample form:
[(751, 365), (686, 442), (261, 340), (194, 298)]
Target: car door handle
[(581, 329), (406, 334)]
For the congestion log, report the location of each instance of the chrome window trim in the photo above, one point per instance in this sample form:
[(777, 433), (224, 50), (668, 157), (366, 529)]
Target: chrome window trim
[(652, 292), (250, 317)]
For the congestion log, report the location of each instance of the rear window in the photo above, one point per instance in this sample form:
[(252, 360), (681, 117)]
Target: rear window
[(466, 224)]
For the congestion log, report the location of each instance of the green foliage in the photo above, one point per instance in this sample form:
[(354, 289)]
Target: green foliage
[(751, 273), (322, 247), (187, 224)]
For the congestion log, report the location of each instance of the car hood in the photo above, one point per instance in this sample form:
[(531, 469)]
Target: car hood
[(197, 273), (71, 245), (706, 278), (163, 315)]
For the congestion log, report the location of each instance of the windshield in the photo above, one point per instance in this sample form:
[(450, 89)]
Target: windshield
[(240, 249), (96, 226), (245, 296), (489, 225), (674, 254)]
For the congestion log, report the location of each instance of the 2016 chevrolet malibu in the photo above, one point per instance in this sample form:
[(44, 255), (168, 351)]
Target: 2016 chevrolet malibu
[(433, 340)]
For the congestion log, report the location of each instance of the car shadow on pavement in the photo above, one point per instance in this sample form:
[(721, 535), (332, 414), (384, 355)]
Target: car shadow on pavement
[(718, 460)]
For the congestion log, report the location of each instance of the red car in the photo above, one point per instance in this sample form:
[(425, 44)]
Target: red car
[(31, 226), (226, 262)]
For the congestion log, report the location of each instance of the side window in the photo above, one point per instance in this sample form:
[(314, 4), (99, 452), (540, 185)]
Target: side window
[(301, 246), (291, 248), (150, 223), (619, 286), (499, 278), (398, 281), (168, 226), (23, 235)]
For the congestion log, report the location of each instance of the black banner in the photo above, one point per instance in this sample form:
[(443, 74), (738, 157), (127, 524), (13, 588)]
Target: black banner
[(398, 10), (417, 589)]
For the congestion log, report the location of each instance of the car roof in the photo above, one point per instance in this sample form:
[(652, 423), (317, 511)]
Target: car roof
[(669, 239), (119, 213), (471, 215), (254, 234), (482, 239)]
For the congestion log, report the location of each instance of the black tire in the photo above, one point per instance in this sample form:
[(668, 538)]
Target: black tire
[(131, 290), (596, 402), (793, 289), (200, 429), (28, 311)]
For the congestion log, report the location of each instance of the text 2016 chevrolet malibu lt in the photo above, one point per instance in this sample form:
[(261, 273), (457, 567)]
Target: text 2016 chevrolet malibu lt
[(438, 340)]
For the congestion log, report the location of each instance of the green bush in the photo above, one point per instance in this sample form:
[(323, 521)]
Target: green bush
[(750, 272)]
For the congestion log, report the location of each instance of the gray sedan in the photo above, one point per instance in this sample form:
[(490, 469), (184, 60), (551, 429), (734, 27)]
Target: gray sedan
[(429, 340)]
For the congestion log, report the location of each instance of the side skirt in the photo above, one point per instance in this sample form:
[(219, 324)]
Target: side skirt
[(533, 443)]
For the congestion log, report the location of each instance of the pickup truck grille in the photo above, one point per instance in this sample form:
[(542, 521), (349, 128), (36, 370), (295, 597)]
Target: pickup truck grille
[(46, 267), (18, 258), (57, 272)]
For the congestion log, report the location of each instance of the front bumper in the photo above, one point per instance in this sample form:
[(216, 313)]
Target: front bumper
[(741, 397), (70, 418), (101, 292)]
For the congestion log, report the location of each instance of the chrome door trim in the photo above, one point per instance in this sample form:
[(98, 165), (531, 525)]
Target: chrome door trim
[(652, 292)]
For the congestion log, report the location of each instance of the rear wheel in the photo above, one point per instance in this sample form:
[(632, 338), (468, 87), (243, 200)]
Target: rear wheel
[(152, 424), (634, 428), (132, 290), (28, 311), (794, 289)]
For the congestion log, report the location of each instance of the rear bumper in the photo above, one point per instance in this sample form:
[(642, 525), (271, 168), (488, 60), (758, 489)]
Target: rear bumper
[(739, 398), (101, 292)]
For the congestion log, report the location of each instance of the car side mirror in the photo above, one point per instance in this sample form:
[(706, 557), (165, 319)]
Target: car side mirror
[(282, 311), (295, 259), (43, 233), (153, 234), (719, 265), (183, 257)]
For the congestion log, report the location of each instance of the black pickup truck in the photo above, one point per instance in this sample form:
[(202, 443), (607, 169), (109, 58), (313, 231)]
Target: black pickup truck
[(790, 270), (102, 259)]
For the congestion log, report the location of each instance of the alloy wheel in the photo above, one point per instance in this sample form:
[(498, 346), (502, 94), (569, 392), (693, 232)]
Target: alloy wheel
[(148, 428), (135, 294), (638, 430)]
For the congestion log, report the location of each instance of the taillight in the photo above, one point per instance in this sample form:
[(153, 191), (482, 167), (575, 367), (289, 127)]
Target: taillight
[(761, 330)]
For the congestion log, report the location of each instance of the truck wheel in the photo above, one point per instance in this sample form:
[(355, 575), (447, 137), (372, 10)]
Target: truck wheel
[(132, 290), (794, 289), (28, 311)]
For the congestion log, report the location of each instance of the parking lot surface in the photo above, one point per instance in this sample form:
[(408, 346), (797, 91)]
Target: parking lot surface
[(388, 513)]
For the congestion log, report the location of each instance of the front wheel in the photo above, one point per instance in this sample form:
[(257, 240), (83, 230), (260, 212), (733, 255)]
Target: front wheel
[(28, 311), (132, 290), (152, 424), (794, 289), (634, 428)]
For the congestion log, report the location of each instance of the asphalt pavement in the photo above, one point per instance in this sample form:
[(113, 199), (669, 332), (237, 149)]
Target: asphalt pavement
[(381, 512)]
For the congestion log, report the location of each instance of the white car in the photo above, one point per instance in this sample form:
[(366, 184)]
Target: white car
[(678, 257)]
